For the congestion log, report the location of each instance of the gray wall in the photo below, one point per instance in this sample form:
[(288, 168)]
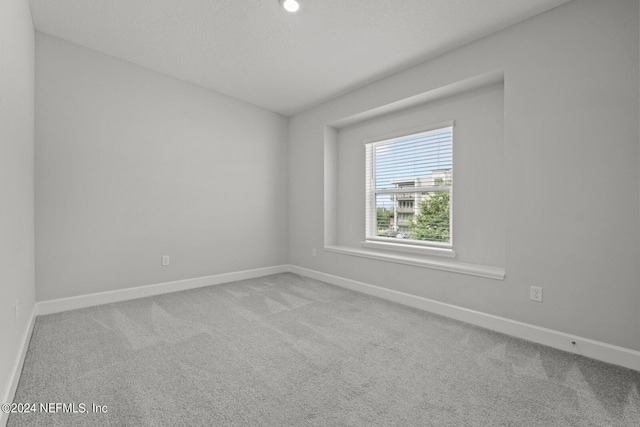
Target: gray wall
[(16, 179), (571, 182), (132, 165)]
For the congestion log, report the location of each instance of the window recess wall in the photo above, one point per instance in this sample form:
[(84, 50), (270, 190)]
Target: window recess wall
[(478, 156)]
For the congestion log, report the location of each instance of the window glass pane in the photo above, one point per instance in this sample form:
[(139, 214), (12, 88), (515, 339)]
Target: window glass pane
[(385, 211), (432, 220), (419, 160), (423, 216), (402, 170)]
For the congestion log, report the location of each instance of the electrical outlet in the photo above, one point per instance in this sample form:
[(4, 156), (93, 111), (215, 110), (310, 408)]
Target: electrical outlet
[(536, 293), (165, 260), (313, 252)]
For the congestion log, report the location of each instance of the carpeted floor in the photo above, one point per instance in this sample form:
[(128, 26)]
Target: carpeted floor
[(286, 350)]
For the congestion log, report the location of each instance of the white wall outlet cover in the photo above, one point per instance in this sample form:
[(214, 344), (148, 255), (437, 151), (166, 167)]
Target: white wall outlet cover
[(536, 293)]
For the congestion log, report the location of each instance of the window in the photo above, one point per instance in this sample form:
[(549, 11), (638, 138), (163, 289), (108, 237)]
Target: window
[(409, 182)]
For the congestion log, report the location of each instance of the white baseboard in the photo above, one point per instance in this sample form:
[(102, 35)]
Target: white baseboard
[(14, 376), (82, 301), (586, 347)]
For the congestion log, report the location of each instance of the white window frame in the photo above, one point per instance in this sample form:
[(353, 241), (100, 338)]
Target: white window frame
[(391, 243)]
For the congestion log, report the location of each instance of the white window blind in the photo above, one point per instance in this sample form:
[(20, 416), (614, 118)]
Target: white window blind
[(409, 181)]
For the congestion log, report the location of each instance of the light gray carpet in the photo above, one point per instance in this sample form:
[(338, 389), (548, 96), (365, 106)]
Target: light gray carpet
[(285, 350)]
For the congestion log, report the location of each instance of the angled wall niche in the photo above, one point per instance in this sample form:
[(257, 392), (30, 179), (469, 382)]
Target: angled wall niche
[(477, 107)]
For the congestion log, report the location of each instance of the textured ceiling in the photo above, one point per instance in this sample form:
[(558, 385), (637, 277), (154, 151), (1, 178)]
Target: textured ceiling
[(255, 51)]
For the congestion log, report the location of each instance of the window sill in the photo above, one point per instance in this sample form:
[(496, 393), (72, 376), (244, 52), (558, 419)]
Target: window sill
[(489, 272), (409, 248)]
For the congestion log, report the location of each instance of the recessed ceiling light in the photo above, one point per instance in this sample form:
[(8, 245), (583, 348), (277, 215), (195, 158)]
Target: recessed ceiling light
[(290, 5)]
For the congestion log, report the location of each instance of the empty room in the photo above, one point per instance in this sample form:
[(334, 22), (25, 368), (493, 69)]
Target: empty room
[(320, 212)]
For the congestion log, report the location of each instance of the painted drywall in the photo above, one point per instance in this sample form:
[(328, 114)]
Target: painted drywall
[(571, 181), (16, 180), (132, 165)]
